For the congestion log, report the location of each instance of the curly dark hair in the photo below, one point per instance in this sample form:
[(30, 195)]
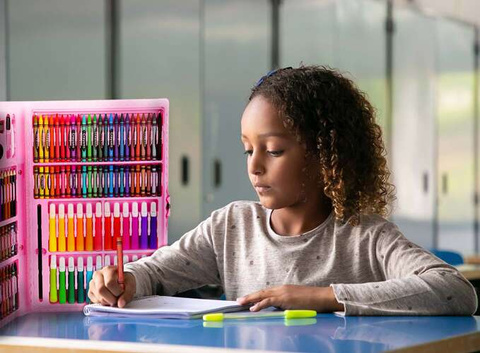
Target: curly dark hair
[(333, 118)]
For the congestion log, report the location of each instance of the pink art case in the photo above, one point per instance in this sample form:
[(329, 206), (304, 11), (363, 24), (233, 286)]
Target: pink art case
[(30, 290)]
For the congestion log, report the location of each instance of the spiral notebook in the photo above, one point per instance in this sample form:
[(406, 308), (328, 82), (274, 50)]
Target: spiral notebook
[(163, 307)]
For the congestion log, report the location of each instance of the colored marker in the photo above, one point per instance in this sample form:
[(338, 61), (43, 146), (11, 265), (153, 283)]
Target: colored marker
[(71, 280), (107, 260), (116, 221), (62, 288), (108, 228), (126, 227), (52, 243), (61, 228), (153, 226), (98, 263), (98, 227), (70, 230), (144, 221), (135, 227), (80, 281), (89, 226), (89, 275), (80, 236), (53, 279)]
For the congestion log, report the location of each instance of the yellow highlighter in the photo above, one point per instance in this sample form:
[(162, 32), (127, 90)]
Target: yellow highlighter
[(52, 243), (287, 314)]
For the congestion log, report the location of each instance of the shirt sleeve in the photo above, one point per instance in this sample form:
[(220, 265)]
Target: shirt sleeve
[(188, 263), (416, 283)]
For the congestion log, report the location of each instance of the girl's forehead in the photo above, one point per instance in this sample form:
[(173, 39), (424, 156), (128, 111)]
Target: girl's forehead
[(261, 119)]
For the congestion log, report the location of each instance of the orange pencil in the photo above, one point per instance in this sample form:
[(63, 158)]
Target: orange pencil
[(121, 279)]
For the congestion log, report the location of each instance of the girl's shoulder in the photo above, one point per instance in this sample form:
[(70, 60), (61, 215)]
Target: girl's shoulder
[(374, 225)]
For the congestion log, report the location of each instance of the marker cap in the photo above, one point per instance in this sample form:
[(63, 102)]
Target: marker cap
[(98, 210), (90, 264), (153, 209), (61, 264), (134, 209), (125, 209), (98, 263), (89, 210), (61, 211), (80, 264), (116, 210), (52, 211), (144, 209), (53, 262), (70, 210), (107, 260), (71, 264), (79, 210), (107, 209)]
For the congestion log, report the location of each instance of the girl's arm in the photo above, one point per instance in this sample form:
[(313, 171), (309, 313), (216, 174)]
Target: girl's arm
[(416, 283), (188, 263)]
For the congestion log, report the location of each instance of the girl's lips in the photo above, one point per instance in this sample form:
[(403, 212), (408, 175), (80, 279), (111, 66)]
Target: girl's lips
[(262, 189)]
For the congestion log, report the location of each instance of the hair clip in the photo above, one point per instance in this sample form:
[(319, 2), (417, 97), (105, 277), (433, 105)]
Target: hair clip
[(270, 73)]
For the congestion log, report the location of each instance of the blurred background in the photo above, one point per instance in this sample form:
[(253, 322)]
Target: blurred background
[(416, 60)]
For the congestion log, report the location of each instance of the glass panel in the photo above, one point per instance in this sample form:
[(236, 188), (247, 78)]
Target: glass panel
[(237, 54), (307, 32), (360, 48), (455, 136), (57, 49), (414, 124), (160, 58)]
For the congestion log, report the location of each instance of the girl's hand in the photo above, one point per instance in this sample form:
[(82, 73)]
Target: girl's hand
[(285, 297), (105, 289)]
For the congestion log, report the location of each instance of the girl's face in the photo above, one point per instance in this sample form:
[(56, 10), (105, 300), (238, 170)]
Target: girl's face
[(276, 162)]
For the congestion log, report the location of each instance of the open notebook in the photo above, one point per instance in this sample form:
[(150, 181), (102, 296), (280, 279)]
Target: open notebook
[(163, 307)]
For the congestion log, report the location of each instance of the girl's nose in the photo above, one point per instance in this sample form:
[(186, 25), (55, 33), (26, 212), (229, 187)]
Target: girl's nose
[(255, 165)]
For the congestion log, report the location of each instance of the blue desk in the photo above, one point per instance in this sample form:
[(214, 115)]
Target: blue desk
[(325, 333)]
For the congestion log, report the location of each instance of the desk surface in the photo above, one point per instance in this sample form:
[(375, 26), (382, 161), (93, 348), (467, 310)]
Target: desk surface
[(326, 332)]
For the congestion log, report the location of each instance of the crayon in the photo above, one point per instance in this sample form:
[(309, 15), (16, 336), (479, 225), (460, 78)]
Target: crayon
[(84, 138), (84, 181), (80, 137), (148, 152), (47, 182), (121, 139), (36, 139), (106, 137), (128, 137), (111, 138), (94, 138), (62, 140), (46, 129), (36, 184), (116, 144), (101, 138), (67, 132), (57, 138), (138, 135), (41, 134), (73, 138), (89, 181), (89, 138)]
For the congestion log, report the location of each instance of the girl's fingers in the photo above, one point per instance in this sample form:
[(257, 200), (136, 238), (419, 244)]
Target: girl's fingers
[(129, 292), (110, 277), (265, 303), (101, 291), (254, 297)]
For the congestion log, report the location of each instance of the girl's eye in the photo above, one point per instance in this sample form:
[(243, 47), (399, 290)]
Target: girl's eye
[(248, 152), (275, 153)]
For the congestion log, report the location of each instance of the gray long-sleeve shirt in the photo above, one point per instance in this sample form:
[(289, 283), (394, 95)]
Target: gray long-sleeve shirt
[(372, 267)]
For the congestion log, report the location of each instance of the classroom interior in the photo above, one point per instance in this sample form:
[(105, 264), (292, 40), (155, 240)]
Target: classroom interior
[(417, 61)]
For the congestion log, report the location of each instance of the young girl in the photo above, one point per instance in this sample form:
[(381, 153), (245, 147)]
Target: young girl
[(317, 238)]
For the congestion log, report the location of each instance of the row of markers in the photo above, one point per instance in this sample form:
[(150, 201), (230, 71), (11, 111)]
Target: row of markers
[(79, 231), (8, 290), (70, 283), (8, 194), (96, 137), (8, 241), (97, 181)]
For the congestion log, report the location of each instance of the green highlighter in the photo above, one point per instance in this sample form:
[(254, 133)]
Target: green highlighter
[(287, 314)]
